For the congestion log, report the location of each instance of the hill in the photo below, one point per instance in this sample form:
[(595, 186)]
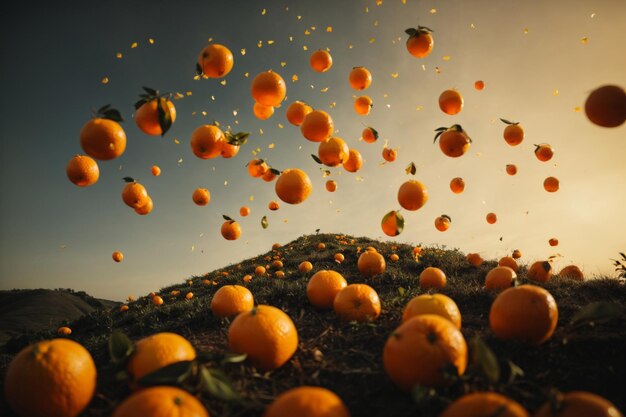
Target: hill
[(346, 357)]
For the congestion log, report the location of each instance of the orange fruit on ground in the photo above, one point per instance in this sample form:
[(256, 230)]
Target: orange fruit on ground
[(134, 195), (389, 154), (257, 168), (516, 254), (392, 223), (474, 259), (420, 42), (417, 350), (155, 170), (147, 116), (479, 85), (357, 302), (526, 313), (124, 308), (146, 208), (215, 61), (305, 266), (513, 133), (323, 286), (262, 112), (207, 141), (306, 401), (103, 139), (51, 378), (321, 61), (544, 152), (363, 105), (606, 106), (269, 176), (157, 300), (500, 278), (551, 184), (360, 78), (553, 242), (510, 262), (118, 256), (82, 170), (432, 277), (273, 206), (339, 258), (297, 111), (161, 401), (578, 404), (491, 218), (511, 169), (189, 296), (231, 300), (230, 230), (277, 264), (159, 350), (442, 223), (266, 334), (438, 304), (317, 126), (201, 196), (321, 246), (259, 270), (369, 135), (540, 271), (354, 161), (293, 186), (269, 89), (412, 195), (394, 257), (457, 185), (331, 186), (276, 246), (64, 330), (453, 141), (450, 102), (572, 272), (333, 151), (371, 263), (244, 211), (480, 404)]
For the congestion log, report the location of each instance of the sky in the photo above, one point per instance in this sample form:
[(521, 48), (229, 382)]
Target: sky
[(538, 60)]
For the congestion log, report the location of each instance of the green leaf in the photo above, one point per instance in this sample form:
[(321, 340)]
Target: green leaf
[(264, 222), (275, 171), (411, 169), (485, 360), (399, 222), (424, 29), (508, 122), (439, 131), (151, 91), (198, 69), (141, 103), (401, 291), (165, 116), (104, 108), (597, 312), (120, 347), (375, 132), (231, 357), (217, 385), (173, 374), (514, 372), (422, 395), (112, 114), (228, 219), (204, 356), (316, 159), (128, 179), (411, 31)]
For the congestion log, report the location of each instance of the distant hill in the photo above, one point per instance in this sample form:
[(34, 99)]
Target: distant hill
[(30, 311)]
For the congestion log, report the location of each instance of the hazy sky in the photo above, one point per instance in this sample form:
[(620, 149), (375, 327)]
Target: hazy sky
[(531, 55)]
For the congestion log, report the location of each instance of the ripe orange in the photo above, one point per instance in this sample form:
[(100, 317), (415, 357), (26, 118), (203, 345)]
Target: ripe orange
[(244, 211), (491, 218), (339, 258), (526, 313), (124, 308), (606, 106), (293, 186), (500, 278), (277, 264), (333, 151), (412, 195), (544, 152), (572, 272), (363, 105), (157, 300), (231, 300), (273, 206), (155, 170), (432, 277), (64, 331), (578, 404), (438, 304), (394, 257), (371, 263), (516, 254), (146, 208), (270, 175), (189, 296), (509, 261), (442, 223), (161, 401), (269, 89), (540, 271), (357, 302), (450, 102), (457, 185), (474, 259), (354, 161), (297, 111), (276, 246), (420, 42), (262, 112), (479, 85), (307, 401), (201, 196), (360, 78), (369, 135), (257, 168), (453, 141), (553, 242), (551, 184), (331, 186), (266, 334), (215, 61), (230, 230), (305, 266), (148, 119), (134, 195), (118, 256), (317, 126), (321, 246), (82, 171), (51, 378), (392, 223), (417, 350), (513, 132), (159, 350), (207, 141), (103, 139), (321, 61), (479, 404), (323, 286), (511, 169), (259, 270)]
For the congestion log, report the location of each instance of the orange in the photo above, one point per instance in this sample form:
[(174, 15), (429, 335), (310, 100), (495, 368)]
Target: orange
[(363, 105), (269, 89), (146, 208), (412, 195), (297, 111), (438, 304), (189, 296), (134, 194), (551, 184), (277, 264), (389, 154), (333, 151), (479, 85), (331, 186), (321, 61), (420, 42), (578, 404), (526, 313), (513, 133), (259, 270), (230, 230), (273, 206), (276, 246), (103, 139), (82, 171), (450, 102), (553, 242), (155, 170), (305, 266), (371, 263), (511, 169), (215, 61), (51, 378), (270, 175), (392, 223), (491, 218), (516, 254), (442, 223), (357, 302), (244, 211), (293, 186), (306, 401), (369, 135), (124, 308), (500, 278), (339, 258), (317, 126), (474, 259), (207, 141), (453, 141), (457, 185), (201, 196), (354, 161), (118, 256), (321, 246), (157, 301), (510, 262), (148, 117), (394, 257), (544, 152), (606, 106), (432, 277), (64, 331), (262, 112), (257, 168), (480, 404), (360, 78), (323, 286), (159, 350), (266, 334), (231, 300), (572, 272), (161, 401), (229, 150), (417, 350), (540, 271)]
